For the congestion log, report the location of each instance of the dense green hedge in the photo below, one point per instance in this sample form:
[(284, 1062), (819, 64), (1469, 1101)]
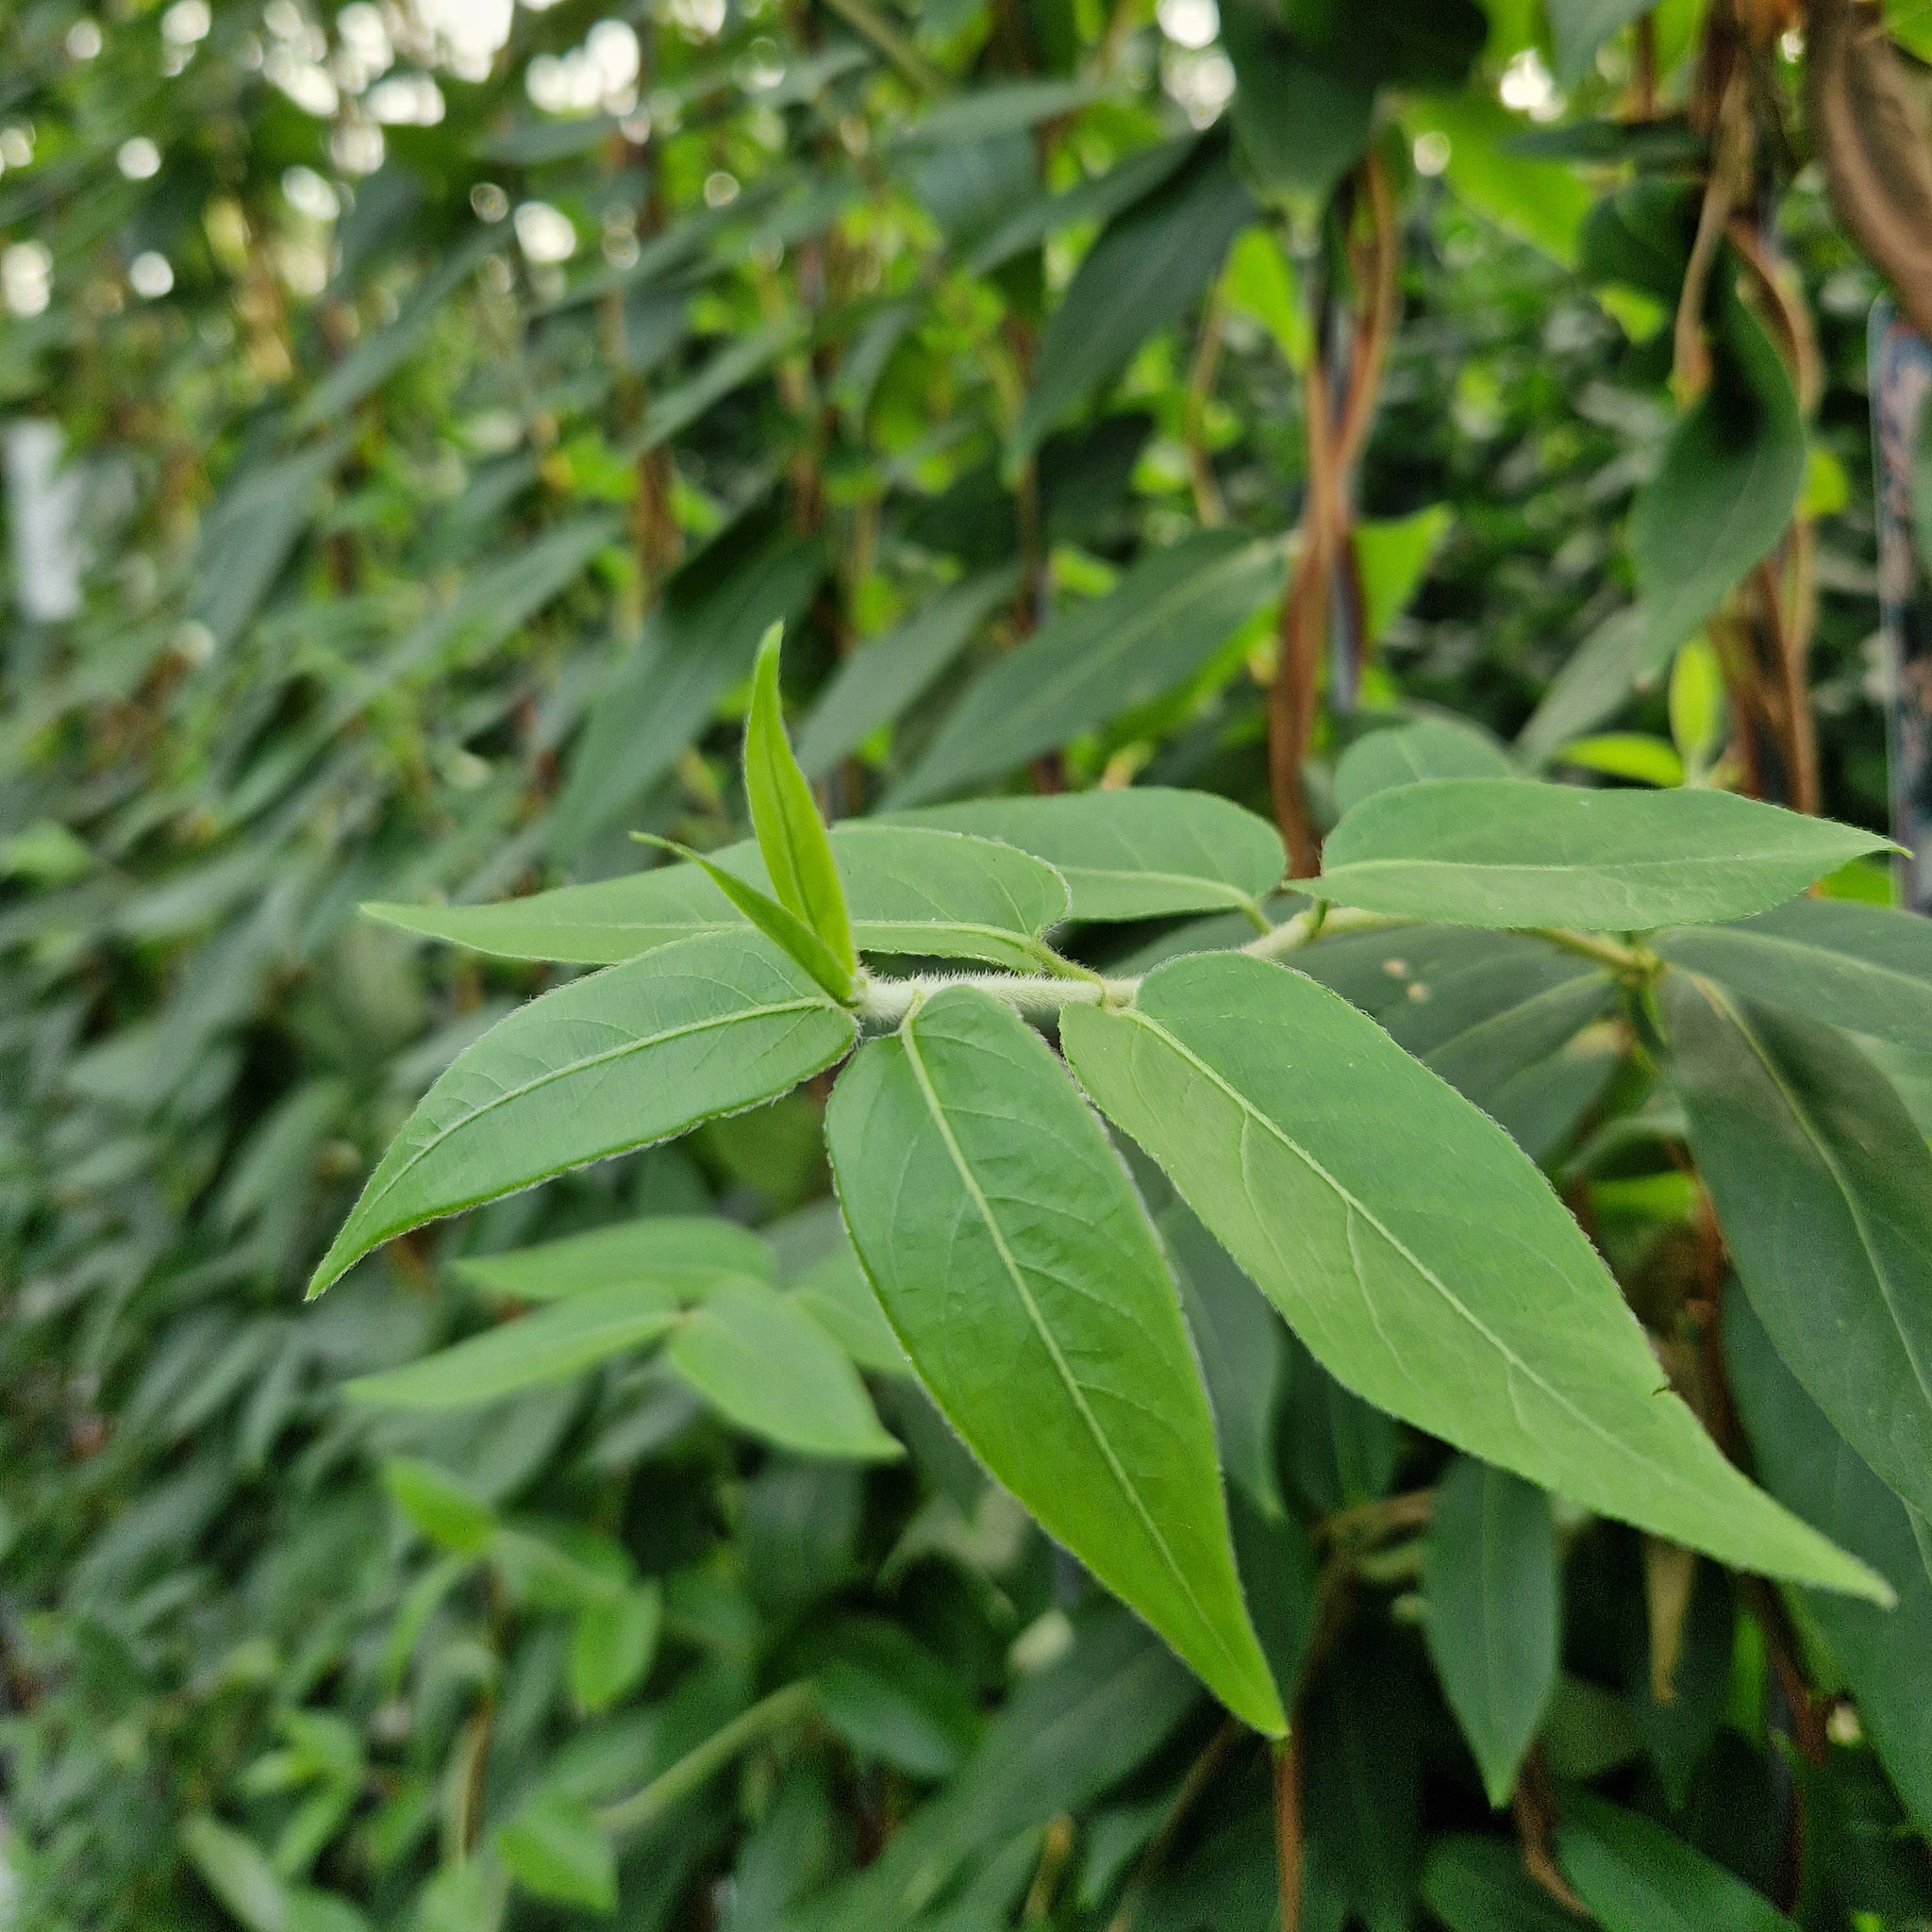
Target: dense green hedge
[(443, 459)]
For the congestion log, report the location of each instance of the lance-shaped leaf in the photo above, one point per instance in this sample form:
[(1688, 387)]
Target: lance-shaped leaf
[(1807, 1465), (1491, 1612), (879, 680), (551, 1345), (785, 816), (1478, 1885), (778, 922), (1477, 1007), (1415, 1249), (671, 1250), (1135, 854), (1866, 968), (1164, 619), (763, 1363), (614, 1062), (1018, 1268), (1822, 1187), (912, 890), (1730, 476), (1146, 269), (1511, 852), (1636, 1876)]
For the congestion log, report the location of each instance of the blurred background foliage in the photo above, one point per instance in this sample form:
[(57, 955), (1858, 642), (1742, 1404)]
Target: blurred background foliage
[(414, 415)]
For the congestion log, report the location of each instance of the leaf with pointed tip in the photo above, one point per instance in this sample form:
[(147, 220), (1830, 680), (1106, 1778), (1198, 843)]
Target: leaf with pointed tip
[(1866, 968), (1636, 1876), (635, 1053), (912, 888), (764, 1365), (1811, 1468), (778, 922), (1168, 614), (665, 1249), (1149, 264), (785, 816), (835, 1294), (1012, 1255), (551, 1345), (1491, 1612), (1822, 1187), (1513, 852), (1134, 854), (1415, 1249)]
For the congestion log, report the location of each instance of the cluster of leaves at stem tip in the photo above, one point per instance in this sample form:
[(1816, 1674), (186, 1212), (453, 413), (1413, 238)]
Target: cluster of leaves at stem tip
[(1407, 1241)]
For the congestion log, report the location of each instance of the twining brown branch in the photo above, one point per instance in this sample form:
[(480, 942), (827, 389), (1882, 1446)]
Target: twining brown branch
[(1324, 554), (1288, 1830)]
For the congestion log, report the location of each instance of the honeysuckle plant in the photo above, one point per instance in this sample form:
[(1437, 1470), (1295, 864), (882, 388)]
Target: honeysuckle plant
[(977, 1120)]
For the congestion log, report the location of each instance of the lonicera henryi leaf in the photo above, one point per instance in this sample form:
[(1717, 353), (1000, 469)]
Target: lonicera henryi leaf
[(785, 816), (1018, 1266), (625, 1057), (1416, 1250)]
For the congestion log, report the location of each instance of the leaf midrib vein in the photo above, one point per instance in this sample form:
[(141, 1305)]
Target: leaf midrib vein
[(1251, 1111), (1075, 1394)]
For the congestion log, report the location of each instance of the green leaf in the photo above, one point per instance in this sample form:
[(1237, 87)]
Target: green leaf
[(611, 1645), (443, 1508), (1392, 557), (1140, 853), (238, 1872), (551, 1345), (1301, 123), (1061, 1739), (1865, 968), (1492, 169), (1491, 1612), (1150, 263), (628, 1056), (912, 888), (763, 1364), (1632, 754), (681, 1253), (1620, 653), (790, 934), (247, 537), (1415, 1249), (553, 1849), (1410, 753), (1009, 108), (785, 816), (1822, 1187), (1731, 473), (698, 641), (883, 679), (1164, 619), (1480, 1008), (1811, 1468), (1478, 1885), (835, 1294), (1579, 28), (1098, 199), (1018, 1266), (1239, 1345), (1636, 1876), (1511, 852), (1697, 704)]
